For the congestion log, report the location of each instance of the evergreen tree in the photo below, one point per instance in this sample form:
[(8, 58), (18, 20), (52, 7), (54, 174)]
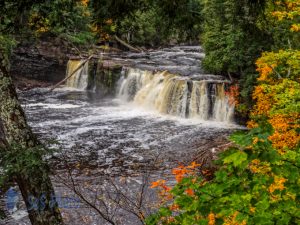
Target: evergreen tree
[(232, 38)]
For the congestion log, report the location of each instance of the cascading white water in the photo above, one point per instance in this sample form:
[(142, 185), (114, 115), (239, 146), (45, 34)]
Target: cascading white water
[(222, 110), (133, 83), (80, 79), (176, 95), (199, 102)]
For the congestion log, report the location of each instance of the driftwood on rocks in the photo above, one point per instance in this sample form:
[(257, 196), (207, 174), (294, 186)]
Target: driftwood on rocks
[(206, 156)]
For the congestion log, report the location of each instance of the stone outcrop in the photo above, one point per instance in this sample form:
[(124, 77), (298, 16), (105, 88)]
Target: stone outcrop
[(103, 76), (43, 61)]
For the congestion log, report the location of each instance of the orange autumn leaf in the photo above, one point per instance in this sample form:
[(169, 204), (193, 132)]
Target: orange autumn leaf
[(211, 219), (231, 220), (193, 165), (278, 184), (166, 188), (252, 209), (288, 139), (179, 173), (174, 207), (233, 95), (256, 166), (157, 183), (190, 192), (295, 28), (85, 2)]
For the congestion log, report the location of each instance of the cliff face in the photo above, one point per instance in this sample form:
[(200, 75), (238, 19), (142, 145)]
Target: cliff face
[(42, 61)]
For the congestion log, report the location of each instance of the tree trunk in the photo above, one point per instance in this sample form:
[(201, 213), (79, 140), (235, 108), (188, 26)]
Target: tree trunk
[(16, 131)]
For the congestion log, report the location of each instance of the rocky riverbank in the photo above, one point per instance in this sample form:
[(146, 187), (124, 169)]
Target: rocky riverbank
[(43, 60)]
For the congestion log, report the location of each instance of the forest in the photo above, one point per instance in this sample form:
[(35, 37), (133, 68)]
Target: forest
[(176, 112)]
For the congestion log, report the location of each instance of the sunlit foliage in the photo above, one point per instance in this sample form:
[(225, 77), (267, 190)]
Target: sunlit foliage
[(278, 93)]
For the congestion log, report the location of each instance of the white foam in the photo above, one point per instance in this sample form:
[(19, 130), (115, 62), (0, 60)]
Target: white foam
[(19, 214), (53, 106)]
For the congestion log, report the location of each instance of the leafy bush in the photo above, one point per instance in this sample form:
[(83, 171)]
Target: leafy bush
[(16, 160), (255, 184)]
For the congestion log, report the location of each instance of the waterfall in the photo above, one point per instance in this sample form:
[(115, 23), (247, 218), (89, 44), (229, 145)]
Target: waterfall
[(176, 95), (199, 103), (80, 79), (133, 83)]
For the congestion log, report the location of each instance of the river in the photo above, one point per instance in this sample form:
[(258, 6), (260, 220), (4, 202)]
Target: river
[(125, 136)]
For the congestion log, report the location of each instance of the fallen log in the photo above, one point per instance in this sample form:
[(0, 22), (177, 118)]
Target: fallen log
[(126, 44), (62, 81)]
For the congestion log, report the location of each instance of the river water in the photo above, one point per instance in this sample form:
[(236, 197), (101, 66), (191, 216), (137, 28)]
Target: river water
[(122, 139)]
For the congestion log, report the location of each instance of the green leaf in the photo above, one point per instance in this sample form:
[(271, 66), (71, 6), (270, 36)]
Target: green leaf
[(164, 211), (263, 205), (236, 158)]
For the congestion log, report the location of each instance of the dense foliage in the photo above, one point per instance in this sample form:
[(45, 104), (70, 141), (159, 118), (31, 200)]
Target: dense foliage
[(66, 19), (148, 23), (232, 38), (23, 21), (142, 22)]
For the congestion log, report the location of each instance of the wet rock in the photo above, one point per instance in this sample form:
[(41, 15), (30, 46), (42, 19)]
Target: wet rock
[(103, 77)]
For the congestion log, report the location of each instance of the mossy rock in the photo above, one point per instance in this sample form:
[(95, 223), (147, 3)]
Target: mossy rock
[(103, 77)]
